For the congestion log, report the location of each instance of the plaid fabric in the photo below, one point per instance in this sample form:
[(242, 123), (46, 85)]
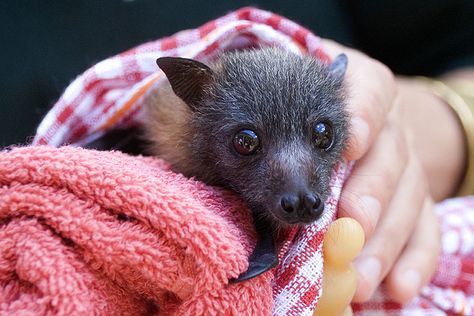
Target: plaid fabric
[(109, 95), (451, 290)]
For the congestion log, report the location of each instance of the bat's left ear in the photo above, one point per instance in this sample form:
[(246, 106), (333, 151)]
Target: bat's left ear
[(188, 78), (338, 67)]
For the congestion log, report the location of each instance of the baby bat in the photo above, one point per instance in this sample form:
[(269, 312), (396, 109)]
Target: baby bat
[(266, 123)]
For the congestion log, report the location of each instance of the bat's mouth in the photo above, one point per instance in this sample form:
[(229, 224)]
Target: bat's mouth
[(296, 220)]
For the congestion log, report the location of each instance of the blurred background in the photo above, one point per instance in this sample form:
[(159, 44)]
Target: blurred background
[(46, 44)]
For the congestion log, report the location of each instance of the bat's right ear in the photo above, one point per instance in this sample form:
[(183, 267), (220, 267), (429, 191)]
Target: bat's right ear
[(338, 67), (187, 77)]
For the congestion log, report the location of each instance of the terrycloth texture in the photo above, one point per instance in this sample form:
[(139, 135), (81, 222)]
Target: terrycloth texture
[(84, 232), (109, 95), (102, 233)]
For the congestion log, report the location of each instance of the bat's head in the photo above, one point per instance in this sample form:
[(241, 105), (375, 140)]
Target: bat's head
[(267, 123)]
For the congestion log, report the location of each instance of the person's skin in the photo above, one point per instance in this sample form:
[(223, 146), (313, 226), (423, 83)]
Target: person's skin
[(410, 152)]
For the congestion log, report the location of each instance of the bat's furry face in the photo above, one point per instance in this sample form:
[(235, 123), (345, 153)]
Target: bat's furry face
[(266, 123)]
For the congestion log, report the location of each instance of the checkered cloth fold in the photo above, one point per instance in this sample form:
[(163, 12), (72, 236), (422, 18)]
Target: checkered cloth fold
[(110, 95)]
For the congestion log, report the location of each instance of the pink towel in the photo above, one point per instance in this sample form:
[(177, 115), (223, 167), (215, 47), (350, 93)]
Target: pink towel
[(101, 233)]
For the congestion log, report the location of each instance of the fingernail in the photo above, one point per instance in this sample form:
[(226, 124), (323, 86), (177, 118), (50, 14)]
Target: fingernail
[(369, 269), (360, 133)]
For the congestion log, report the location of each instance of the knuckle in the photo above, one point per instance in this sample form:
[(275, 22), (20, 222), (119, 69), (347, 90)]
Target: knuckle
[(389, 77), (352, 206), (399, 143), (376, 93), (389, 248), (389, 177), (374, 100), (374, 108), (387, 84), (367, 221), (398, 152), (386, 76)]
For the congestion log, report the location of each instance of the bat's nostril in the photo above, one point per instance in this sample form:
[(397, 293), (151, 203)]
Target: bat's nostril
[(290, 203), (311, 202)]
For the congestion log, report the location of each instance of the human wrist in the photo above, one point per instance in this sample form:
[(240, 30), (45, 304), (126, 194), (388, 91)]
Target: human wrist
[(458, 94), (436, 135)]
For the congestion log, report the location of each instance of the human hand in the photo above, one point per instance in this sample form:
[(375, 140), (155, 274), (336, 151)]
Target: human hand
[(389, 190)]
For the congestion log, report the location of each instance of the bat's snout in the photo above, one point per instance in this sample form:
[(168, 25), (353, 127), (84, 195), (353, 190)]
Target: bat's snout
[(299, 207)]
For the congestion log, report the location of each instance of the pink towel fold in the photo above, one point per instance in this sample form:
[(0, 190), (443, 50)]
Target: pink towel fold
[(85, 232)]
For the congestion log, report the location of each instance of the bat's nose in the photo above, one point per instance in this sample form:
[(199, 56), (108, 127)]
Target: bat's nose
[(301, 207)]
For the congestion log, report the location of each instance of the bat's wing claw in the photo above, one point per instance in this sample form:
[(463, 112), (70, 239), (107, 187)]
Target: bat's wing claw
[(263, 257)]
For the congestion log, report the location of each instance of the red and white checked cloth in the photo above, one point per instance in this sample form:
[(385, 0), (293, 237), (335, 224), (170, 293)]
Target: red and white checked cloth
[(110, 93)]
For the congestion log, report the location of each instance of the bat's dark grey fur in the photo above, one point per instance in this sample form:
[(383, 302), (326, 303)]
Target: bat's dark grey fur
[(287, 101)]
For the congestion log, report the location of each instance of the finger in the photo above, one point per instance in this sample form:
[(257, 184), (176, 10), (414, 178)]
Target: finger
[(374, 179), (392, 233), (371, 91), (417, 262)]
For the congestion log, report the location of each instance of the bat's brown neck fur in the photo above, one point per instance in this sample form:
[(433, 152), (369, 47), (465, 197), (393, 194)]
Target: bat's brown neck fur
[(167, 128)]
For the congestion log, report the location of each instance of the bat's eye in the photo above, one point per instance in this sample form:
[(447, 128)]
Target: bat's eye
[(246, 142), (323, 135)]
